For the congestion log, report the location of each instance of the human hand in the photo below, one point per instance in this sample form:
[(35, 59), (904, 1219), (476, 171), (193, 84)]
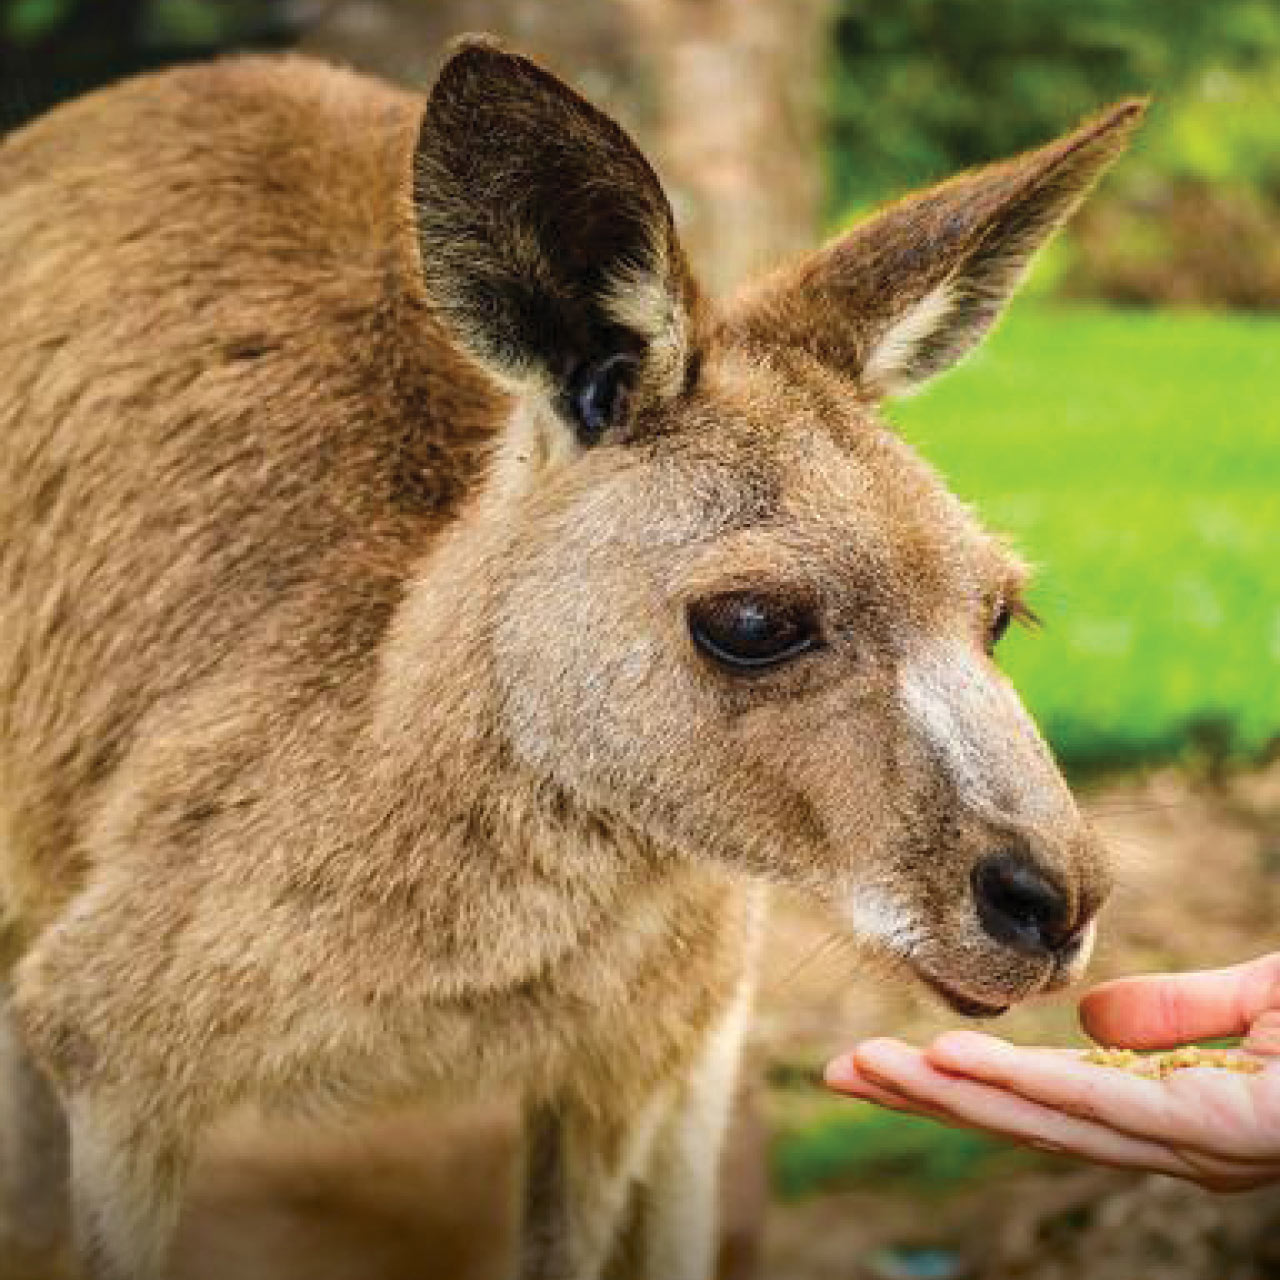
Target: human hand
[(1218, 1128)]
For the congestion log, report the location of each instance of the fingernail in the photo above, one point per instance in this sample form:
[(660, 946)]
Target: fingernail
[(841, 1072), (957, 1046), (878, 1057)]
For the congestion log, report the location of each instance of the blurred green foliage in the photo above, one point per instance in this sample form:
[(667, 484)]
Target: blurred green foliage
[(856, 1144), (53, 49), (197, 22), (1135, 458), (1227, 131), (920, 88), (28, 20)]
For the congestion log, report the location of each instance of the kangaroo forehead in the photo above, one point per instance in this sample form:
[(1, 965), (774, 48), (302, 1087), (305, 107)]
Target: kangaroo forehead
[(865, 491), (806, 514)]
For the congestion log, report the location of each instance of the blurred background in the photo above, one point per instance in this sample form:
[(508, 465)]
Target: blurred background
[(1123, 426)]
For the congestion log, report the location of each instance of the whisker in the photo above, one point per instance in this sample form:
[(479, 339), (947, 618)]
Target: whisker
[(1134, 810), (825, 945)]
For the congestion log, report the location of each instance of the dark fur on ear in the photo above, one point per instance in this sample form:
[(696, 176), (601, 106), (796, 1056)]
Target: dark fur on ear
[(910, 290), (547, 242)]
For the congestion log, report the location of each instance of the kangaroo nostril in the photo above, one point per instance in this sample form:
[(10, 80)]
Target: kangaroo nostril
[(1019, 906)]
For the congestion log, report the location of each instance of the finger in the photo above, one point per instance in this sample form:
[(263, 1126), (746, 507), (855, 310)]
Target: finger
[(1135, 1104), (1214, 1113), (1161, 1011), (843, 1076), (1243, 1179), (981, 1106), (1229, 1174), (1045, 1131), (883, 1096)]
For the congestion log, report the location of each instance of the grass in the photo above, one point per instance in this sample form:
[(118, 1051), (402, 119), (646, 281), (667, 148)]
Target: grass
[(859, 1145), (821, 1144), (1135, 458)]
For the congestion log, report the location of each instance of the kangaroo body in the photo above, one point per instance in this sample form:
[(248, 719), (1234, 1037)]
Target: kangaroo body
[(322, 776)]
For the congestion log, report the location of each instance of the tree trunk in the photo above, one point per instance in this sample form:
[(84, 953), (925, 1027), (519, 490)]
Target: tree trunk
[(723, 95)]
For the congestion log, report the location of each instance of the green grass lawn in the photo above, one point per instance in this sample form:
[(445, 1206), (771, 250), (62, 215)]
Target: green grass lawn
[(856, 1144), (1135, 458)]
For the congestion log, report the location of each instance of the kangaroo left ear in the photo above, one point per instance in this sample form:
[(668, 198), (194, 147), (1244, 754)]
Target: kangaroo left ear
[(911, 290), (547, 245)]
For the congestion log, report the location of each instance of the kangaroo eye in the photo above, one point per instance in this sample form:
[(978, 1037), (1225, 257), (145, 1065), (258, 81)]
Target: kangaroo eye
[(597, 395), (747, 632)]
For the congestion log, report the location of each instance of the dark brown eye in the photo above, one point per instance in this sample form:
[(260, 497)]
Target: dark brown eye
[(746, 632)]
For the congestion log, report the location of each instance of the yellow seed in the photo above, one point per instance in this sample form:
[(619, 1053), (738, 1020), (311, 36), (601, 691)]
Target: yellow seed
[(1159, 1066)]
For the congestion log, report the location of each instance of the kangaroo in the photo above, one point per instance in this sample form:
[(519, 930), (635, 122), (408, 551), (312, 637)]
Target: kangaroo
[(427, 623)]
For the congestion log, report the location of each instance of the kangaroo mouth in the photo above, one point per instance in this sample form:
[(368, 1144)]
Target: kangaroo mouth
[(966, 1006)]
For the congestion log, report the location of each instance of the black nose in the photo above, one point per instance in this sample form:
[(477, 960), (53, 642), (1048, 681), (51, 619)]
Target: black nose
[(1019, 906)]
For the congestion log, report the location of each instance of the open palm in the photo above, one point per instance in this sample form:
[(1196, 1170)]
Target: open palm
[(1215, 1127)]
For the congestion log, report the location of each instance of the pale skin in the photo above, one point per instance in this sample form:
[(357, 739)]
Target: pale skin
[(1217, 1128)]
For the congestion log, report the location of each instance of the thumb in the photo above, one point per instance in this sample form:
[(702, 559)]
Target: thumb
[(1160, 1011)]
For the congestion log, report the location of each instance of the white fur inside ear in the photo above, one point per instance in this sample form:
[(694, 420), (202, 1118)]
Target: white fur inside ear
[(637, 299), (888, 369)]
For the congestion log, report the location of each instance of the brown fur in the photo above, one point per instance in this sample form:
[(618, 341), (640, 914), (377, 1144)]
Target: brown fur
[(353, 745)]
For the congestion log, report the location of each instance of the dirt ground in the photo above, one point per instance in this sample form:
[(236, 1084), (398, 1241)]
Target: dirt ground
[(1199, 864)]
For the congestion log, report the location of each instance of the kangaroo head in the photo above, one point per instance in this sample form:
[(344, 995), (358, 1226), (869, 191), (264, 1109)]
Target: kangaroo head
[(731, 609)]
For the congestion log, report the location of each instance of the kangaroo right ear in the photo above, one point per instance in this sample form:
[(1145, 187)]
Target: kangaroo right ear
[(548, 247), (910, 290)]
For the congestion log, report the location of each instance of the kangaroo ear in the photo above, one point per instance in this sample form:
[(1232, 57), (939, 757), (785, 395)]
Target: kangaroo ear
[(547, 245), (912, 289)]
